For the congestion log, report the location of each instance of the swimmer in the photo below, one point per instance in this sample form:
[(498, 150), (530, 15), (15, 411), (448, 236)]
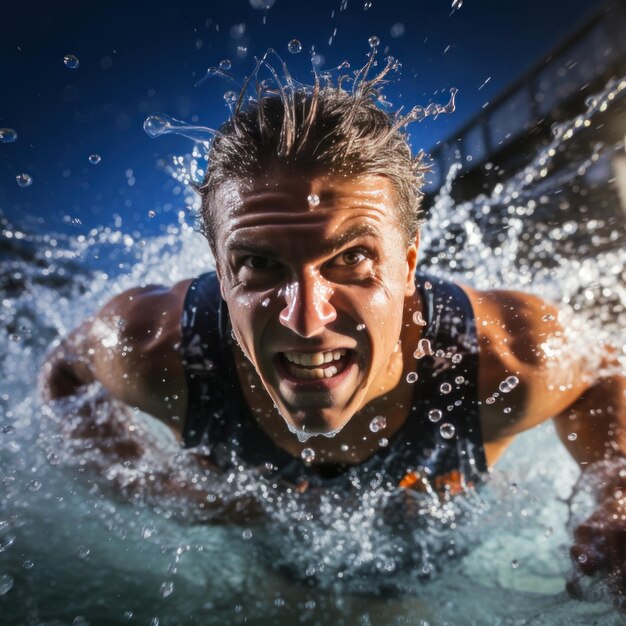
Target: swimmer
[(317, 348)]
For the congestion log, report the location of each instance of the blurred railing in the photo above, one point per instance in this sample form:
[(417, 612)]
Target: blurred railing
[(508, 132)]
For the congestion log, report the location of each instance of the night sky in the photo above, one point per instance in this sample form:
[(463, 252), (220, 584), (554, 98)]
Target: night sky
[(138, 58)]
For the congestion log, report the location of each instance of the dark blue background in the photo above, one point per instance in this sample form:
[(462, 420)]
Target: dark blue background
[(138, 58)]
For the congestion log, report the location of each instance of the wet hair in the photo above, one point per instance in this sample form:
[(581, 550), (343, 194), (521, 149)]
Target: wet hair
[(318, 130)]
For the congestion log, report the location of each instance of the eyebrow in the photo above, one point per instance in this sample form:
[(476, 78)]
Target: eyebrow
[(328, 246)]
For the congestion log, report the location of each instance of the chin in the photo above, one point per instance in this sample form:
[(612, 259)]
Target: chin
[(303, 425)]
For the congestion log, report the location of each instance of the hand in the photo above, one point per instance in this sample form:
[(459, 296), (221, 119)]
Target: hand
[(600, 547)]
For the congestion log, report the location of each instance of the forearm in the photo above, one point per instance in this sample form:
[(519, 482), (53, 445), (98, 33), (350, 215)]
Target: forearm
[(594, 427)]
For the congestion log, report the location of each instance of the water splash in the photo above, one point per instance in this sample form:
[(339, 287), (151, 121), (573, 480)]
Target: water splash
[(377, 540), (161, 124)]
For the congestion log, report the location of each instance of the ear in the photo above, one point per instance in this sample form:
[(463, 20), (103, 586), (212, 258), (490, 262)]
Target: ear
[(411, 265), (219, 279)]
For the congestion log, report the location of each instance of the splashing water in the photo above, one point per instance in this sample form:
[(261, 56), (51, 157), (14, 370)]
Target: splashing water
[(141, 553)]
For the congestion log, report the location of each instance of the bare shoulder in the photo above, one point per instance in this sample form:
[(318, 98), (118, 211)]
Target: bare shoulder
[(143, 317), (513, 326), (134, 343), (530, 343)]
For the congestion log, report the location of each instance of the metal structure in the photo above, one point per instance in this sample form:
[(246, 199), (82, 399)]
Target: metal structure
[(507, 133)]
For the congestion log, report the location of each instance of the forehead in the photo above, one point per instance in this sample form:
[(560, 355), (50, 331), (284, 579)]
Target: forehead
[(301, 201)]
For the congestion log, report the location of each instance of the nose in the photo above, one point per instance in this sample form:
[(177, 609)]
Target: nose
[(308, 309)]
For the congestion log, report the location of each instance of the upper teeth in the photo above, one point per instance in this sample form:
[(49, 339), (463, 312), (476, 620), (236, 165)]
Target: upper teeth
[(315, 359)]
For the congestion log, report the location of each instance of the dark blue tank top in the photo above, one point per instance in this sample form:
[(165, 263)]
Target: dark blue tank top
[(440, 444)]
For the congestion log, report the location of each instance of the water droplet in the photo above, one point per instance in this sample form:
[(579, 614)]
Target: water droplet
[(317, 59), (294, 46), (457, 4), (445, 388), (34, 485), (6, 540), (547, 318), (457, 358), (230, 97), (154, 621), (490, 400), (572, 437), (434, 415), (345, 447), (582, 558), (515, 563), (155, 125), (7, 135), (308, 455), (225, 65), (83, 552), (24, 180), (383, 442), (378, 423), (397, 30), (265, 303), (373, 41), (367, 6), (246, 534), (418, 319), (411, 377), (459, 380), (28, 564), (147, 531), (313, 200), (8, 429), (360, 326), (151, 214), (79, 620), (508, 384), (262, 5), (423, 349), (447, 430), (6, 584), (94, 159), (71, 61), (167, 588), (428, 285)]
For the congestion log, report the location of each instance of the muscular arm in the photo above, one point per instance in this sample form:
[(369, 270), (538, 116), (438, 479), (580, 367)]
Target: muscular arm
[(582, 387), (130, 347)]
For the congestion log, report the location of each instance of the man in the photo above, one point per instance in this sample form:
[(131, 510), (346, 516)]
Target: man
[(316, 351)]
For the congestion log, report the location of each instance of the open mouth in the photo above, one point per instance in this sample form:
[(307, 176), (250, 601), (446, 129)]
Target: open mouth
[(315, 366)]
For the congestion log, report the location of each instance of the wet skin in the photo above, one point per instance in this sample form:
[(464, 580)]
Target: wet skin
[(301, 278)]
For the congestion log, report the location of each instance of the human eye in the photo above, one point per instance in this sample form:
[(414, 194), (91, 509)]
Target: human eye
[(258, 262), (350, 258)]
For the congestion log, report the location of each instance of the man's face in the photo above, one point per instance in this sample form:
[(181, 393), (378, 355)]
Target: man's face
[(315, 272)]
